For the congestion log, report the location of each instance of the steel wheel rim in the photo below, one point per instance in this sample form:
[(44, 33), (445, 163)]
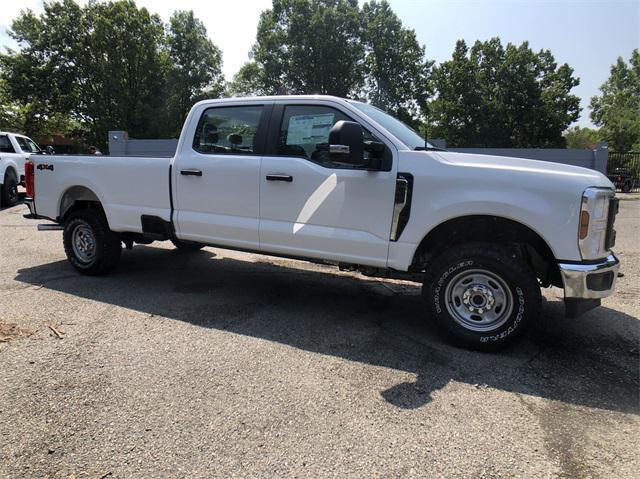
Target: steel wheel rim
[(479, 300), (83, 242)]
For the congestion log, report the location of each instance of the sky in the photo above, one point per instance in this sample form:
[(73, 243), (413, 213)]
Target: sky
[(588, 35)]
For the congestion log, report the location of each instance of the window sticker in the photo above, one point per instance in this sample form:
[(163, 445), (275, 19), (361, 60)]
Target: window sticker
[(309, 129)]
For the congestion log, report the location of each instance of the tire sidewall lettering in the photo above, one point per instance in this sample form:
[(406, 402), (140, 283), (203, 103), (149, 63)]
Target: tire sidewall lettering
[(442, 279)]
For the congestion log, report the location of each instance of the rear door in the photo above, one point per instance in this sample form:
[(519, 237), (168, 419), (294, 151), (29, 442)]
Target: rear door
[(311, 207), (217, 177)]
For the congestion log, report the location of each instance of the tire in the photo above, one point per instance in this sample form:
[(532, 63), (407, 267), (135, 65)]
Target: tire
[(9, 190), (91, 247), (481, 295), (187, 246), (626, 187)]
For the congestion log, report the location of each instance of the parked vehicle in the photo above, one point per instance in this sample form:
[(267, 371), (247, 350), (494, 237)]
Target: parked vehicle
[(14, 150), (624, 179), (338, 181)]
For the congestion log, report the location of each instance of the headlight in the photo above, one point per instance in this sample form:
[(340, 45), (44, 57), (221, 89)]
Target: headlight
[(596, 223)]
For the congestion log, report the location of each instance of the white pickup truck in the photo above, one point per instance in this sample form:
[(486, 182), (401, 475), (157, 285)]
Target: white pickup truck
[(14, 150), (338, 181)]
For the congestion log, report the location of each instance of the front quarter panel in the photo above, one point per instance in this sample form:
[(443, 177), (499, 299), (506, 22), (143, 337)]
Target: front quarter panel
[(545, 200)]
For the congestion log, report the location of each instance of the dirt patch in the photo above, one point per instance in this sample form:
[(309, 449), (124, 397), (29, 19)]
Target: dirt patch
[(11, 331)]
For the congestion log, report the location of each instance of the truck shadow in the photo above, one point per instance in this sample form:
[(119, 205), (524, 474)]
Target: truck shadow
[(592, 361)]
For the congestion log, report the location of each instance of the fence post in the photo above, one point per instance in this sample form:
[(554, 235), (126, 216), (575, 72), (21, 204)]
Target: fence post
[(601, 157)]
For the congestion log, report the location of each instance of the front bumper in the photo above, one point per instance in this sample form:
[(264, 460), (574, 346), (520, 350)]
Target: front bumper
[(586, 283)]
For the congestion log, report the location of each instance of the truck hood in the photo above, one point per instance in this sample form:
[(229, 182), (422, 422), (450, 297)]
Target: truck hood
[(584, 176)]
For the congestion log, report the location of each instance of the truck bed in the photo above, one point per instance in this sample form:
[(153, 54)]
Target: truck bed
[(127, 187)]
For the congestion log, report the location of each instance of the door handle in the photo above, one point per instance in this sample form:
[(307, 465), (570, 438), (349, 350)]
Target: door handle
[(278, 177), (191, 172)]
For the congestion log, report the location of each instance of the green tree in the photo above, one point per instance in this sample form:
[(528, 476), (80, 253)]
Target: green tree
[(494, 96), (28, 118), (110, 66), (617, 108), (397, 73), (12, 115), (249, 81), (578, 137), (101, 64), (310, 46), (195, 67)]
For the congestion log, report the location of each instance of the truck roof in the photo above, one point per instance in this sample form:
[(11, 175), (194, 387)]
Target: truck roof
[(276, 98), (13, 133)]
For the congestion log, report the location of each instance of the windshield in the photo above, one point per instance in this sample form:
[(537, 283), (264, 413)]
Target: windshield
[(404, 133)]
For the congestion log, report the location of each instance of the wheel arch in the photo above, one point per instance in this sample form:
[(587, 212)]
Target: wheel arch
[(490, 228), (75, 198), (10, 166)]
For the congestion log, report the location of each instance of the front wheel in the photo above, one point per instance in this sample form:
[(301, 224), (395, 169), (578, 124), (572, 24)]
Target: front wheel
[(91, 247), (482, 295)]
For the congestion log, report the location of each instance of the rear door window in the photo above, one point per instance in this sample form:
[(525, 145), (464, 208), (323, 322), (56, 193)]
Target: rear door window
[(228, 130)]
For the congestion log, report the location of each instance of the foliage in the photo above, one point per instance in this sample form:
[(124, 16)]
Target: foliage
[(195, 67), (577, 137), (333, 47), (114, 66), (492, 96), (617, 109), (249, 81), (106, 66), (310, 46), (397, 73), (22, 118)]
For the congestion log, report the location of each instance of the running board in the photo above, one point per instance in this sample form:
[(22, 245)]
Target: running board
[(50, 227)]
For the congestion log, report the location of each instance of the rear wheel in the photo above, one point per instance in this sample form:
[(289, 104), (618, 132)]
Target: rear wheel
[(9, 190), (187, 245), (482, 295), (91, 247)]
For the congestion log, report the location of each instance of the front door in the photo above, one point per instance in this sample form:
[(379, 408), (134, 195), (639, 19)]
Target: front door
[(311, 207), (217, 179)]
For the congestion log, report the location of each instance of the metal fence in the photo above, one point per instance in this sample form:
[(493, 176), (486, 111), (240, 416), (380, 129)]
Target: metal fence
[(623, 168)]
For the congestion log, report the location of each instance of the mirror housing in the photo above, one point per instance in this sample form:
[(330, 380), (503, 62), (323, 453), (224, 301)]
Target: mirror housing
[(346, 143)]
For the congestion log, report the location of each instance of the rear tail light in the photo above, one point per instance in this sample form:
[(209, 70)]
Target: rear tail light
[(29, 179)]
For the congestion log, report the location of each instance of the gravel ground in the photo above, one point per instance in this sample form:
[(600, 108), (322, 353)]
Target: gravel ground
[(221, 364)]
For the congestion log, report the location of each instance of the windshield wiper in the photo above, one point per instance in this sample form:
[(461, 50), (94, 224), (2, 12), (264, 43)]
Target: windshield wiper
[(428, 148)]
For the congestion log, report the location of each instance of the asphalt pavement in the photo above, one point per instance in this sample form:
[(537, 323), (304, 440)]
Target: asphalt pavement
[(224, 364)]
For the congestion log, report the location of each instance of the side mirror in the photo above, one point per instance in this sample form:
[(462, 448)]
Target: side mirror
[(50, 150), (346, 143)]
